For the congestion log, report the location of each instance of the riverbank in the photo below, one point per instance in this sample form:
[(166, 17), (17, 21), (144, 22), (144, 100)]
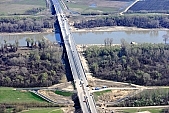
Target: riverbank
[(96, 29), (46, 31), (113, 28)]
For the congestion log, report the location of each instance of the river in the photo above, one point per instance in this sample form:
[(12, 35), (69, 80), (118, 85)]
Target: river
[(145, 36)]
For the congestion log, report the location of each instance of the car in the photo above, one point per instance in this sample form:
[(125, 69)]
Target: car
[(104, 86), (85, 97), (81, 82), (97, 88)]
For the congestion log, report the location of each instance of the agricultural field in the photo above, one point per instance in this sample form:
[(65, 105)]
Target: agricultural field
[(148, 110), (97, 6), (43, 110), (10, 95), (150, 6), (11, 7)]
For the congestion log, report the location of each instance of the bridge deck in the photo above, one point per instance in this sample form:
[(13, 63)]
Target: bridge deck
[(86, 99)]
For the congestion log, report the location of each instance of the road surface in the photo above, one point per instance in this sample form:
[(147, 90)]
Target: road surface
[(85, 98)]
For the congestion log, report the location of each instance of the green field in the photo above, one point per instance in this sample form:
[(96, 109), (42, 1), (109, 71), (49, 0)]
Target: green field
[(86, 9), (104, 6), (44, 110), (10, 95), (101, 92), (96, 94), (63, 93), (152, 110), (10, 7)]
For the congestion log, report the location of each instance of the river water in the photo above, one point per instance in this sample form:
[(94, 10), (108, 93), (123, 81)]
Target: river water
[(145, 36), (150, 36)]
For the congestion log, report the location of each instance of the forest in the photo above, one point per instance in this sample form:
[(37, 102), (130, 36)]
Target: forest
[(39, 24), (143, 64), (142, 21), (23, 24), (150, 97), (37, 64)]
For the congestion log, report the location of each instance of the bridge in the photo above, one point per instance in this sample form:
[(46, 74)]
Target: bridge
[(65, 39)]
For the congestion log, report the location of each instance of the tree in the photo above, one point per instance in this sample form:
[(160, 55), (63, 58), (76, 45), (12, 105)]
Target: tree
[(39, 45), (2, 109), (123, 61), (18, 108), (32, 42), (94, 67), (106, 41), (111, 41), (17, 44), (28, 40), (146, 77), (165, 38), (43, 44), (5, 45)]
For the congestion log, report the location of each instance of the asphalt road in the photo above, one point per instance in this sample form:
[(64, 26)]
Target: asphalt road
[(86, 99)]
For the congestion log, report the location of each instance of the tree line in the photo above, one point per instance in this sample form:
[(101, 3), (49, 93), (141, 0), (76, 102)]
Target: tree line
[(34, 11), (19, 107), (153, 21), (22, 24), (151, 97), (142, 64), (38, 64)]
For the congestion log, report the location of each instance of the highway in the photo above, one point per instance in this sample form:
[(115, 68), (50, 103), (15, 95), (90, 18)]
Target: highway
[(86, 100)]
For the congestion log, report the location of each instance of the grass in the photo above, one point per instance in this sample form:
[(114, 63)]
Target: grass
[(9, 110), (31, 2), (103, 6), (101, 92), (44, 110), (63, 93), (152, 110), (8, 7), (86, 9), (96, 94), (9, 95), (77, 7)]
